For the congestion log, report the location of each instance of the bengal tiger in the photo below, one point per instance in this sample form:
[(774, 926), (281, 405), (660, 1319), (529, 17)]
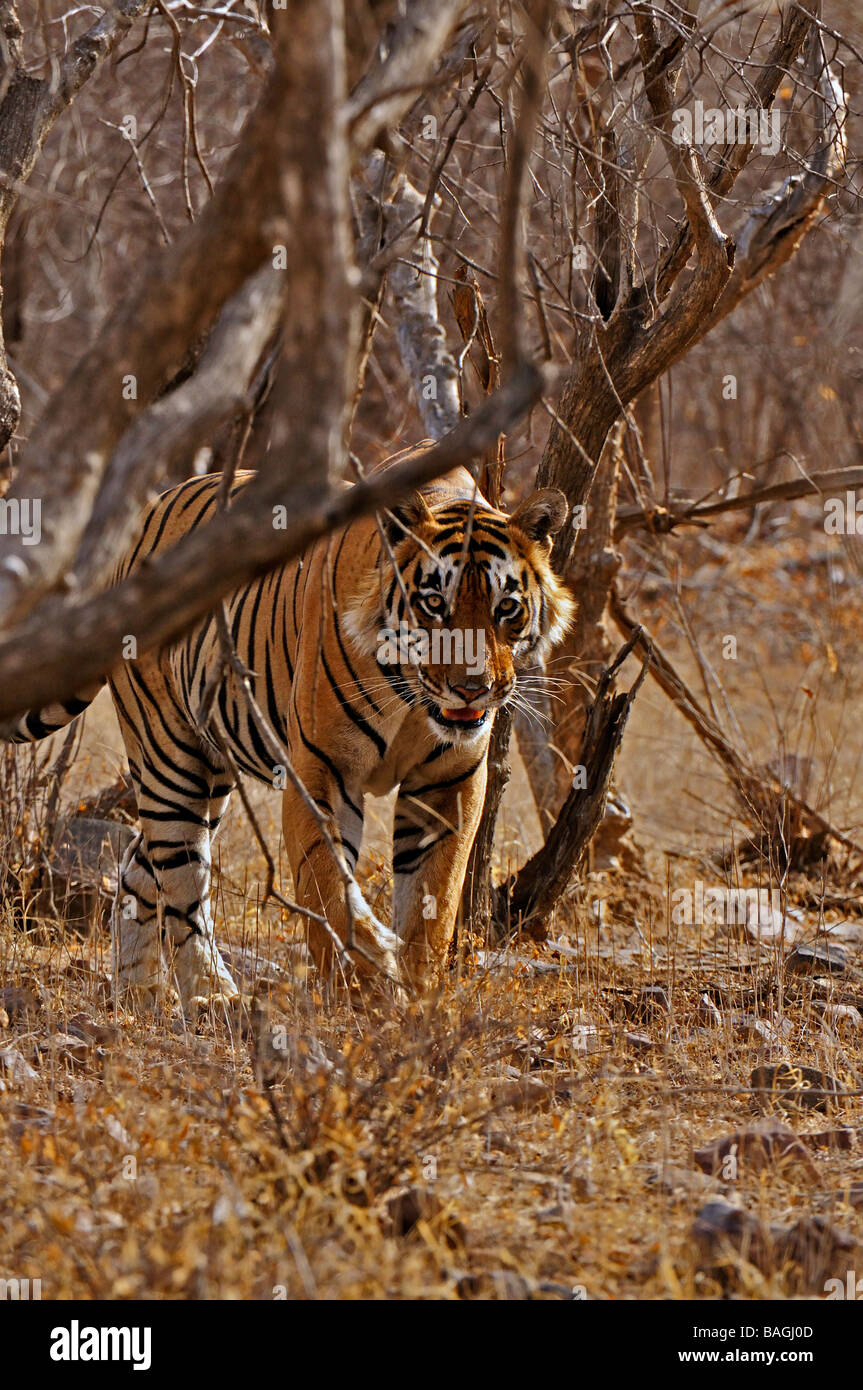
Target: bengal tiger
[(352, 657)]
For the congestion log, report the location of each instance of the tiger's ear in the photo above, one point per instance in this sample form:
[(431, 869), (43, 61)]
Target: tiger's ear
[(541, 515), (407, 516)]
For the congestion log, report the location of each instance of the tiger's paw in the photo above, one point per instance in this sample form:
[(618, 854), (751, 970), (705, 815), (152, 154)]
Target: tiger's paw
[(375, 945), (376, 953), (201, 973), (208, 1011)]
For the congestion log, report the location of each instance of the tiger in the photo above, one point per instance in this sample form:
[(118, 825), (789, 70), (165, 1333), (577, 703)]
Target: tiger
[(351, 654)]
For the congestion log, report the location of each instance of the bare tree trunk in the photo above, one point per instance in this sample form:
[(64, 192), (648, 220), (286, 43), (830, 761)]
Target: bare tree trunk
[(586, 650), (478, 896), (630, 345)]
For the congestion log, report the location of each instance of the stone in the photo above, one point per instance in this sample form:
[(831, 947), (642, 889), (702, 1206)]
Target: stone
[(707, 1013), (754, 1148), (844, 1018), (652, 1002), (819, 959), (15, 1068), (405, 1208), (794, 1086), (812, 1247)]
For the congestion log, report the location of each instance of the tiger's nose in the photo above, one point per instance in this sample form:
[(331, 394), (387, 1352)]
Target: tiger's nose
[(471, 690)]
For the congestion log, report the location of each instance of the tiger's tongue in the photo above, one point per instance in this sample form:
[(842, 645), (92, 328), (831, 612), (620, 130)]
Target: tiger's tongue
[(464, 716)]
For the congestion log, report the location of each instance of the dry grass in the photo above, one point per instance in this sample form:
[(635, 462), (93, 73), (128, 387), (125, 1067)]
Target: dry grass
[(142, 1161), (529, 1133)]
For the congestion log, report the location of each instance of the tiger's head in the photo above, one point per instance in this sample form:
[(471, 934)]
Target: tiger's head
[(470, 602)]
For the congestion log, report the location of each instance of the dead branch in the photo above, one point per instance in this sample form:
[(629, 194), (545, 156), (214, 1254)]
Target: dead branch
[(176, 296), (65, 644), (618, 360), (176, 424), (513, 261), (400, 225), (29, 107), (755, 787), (774, 230), (179, 292), (479, 345), (710, 243), (407, 56), (794, 28), (526, 901), (308, 445), (662, 520)]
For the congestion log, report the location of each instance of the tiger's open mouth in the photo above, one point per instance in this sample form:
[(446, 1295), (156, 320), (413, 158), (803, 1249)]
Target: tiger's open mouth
[(460, 718)]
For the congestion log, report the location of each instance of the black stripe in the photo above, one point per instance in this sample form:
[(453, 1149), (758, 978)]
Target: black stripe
[(195, 653), (409, 860), (277, 598), (151, 907), (189, 749), (442, 786), (436, 753), (174, 814), (345, 658), (170, 508), (354, 715), (276, 718), (152, 771), (297, 574), (186, 913), (486, 548), (74, 707), (319, 753), (180, 859), (36, 728)]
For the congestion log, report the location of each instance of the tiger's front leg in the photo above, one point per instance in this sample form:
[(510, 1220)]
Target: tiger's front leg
[(318, 885), (435, 826)]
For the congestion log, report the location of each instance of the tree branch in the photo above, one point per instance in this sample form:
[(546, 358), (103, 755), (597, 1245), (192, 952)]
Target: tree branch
[(29, 107), (525, 902), (412, 276), (757, 788), (177, 424), (64, 645), (393, 84), (176, 296), (664, 520)]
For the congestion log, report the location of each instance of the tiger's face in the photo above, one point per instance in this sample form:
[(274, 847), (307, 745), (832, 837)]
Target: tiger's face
[(471, 601)]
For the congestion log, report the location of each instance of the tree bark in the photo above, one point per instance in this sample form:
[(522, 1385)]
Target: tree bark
[(29, 106)]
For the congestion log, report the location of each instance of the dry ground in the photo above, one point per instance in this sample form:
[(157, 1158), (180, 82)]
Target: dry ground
[(532, 1131)]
